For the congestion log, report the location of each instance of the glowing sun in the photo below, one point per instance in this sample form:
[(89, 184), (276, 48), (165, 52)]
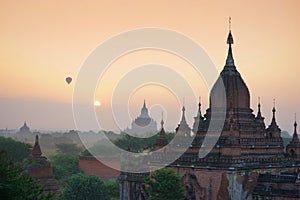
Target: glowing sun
[(97, 103)]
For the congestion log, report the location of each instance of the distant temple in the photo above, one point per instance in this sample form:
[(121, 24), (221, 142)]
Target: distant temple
[(143, 124), (24, 129), (247, 161), (40, 168)]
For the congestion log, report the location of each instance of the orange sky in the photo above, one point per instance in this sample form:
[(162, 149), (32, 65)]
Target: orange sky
[(44, 41)]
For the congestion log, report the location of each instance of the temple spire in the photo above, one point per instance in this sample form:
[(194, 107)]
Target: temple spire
[(199, 108), (162, 138), (36, 151), (229, 60), (295, 135), (273, 126), (259, 116), (273, 110), (162, 120), (183, 115), (144, 111)]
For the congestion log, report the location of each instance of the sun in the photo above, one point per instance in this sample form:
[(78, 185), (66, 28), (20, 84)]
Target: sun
[(97, 103)]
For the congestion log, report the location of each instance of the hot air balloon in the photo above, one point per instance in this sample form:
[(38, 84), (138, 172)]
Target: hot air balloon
[(68, 80)]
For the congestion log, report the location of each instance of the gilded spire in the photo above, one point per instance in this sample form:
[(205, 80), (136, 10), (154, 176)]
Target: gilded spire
[(36, 151), (229, 60)]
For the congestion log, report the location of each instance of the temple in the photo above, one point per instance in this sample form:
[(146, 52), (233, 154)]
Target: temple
[(162, 138), (40, 169), (293, 148), (143, 124), (247, 160)]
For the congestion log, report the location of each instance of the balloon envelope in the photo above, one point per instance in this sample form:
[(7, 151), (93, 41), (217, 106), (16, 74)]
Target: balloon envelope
[(68, 80)]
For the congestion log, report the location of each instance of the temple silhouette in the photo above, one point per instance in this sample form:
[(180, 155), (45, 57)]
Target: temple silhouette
[(143, 124), (248, 159)]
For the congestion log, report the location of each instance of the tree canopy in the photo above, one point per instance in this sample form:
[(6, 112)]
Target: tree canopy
[(84, 187), (112, 188), (136, 144), (17, 151), (164, 185), (64, 166), (17, 186), (68, 148)]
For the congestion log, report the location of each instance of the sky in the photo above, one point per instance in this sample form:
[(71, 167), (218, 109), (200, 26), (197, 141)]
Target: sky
[(43, 42)]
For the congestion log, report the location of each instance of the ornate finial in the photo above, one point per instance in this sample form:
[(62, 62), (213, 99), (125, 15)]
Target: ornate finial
[(183, 104), (199, 108), (229, 38), (259, 112), (295, 124), (162, 120), (229, 60), (144, 103), (295, 135), (273, 110), (199, 101)]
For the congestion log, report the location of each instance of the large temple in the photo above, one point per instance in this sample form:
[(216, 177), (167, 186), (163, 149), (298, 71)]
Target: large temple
[(143, 124), (244, 137), (245, 157)]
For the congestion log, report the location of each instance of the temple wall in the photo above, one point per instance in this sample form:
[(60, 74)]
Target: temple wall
[(92, 166)]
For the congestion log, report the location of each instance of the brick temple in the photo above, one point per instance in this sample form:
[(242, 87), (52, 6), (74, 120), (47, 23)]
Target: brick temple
[(247, 160), (40, 169)]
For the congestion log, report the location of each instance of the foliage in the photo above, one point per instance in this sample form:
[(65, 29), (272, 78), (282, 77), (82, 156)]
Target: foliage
[(17, 186), (85, 153), (136, 144), (165, 185), (86, 187), (64, 166), (17, 151), (112, 188), (99, 149), (68, 148)]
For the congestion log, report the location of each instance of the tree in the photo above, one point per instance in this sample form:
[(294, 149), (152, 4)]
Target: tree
[(112, 188), (17, 186), (64, 166), (68, 148), (17, 151), (165, 185), (85, 187), (137, 144)]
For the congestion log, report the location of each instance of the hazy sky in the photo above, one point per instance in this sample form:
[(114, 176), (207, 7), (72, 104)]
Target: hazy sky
[(42, 42)]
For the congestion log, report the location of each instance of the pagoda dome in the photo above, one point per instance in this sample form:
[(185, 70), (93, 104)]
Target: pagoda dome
[(236, 91)]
